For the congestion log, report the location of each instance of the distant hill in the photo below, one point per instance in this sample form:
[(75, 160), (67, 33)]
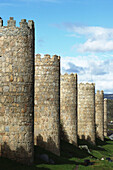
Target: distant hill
[(108, 96)]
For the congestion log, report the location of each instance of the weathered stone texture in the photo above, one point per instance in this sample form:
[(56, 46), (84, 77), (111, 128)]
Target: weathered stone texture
[(105, 117), (47, 103), (16, 90), (86, 112), (68, 107), (99, 114)]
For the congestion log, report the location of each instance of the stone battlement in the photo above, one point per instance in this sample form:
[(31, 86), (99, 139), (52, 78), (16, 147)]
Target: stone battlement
[(100, 92), (12, 23), (86, 86), (25, 29), (47, 59), (69, 76)]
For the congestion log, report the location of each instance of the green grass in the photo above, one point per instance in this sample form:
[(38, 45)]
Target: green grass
[(71, 158)]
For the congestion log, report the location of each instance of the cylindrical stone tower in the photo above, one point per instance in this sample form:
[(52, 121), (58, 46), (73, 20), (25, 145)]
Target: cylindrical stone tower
[(99, 114), (105, 117), (47, 103), (68, 107), (16, 90), (86, 112)]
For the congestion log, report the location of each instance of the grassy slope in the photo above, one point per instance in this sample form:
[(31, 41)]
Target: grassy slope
[(71, 158)]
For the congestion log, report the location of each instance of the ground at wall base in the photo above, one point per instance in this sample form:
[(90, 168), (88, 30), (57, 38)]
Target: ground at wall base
[(71, 158)]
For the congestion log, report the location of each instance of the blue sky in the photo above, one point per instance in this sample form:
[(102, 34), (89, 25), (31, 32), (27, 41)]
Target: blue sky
[(80, 31)]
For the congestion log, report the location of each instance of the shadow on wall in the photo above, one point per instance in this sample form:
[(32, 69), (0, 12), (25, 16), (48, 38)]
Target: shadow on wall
[(100, 142), (97, 136), (49, 145), (88, 139), (19, 155), (64, 135)]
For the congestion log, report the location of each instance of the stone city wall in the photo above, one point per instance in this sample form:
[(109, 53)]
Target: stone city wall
[(30, 108), (68, 107)]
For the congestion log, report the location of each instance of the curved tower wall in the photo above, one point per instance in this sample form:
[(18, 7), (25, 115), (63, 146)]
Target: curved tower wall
[(105, 117), (99, 114), (47, 103), (68, 107), (86, 112), (16, 90)]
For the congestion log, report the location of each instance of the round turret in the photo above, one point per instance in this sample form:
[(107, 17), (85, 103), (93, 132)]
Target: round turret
[(47, 102), (86, 112), (16, 90), (68, 108), (99, 114)]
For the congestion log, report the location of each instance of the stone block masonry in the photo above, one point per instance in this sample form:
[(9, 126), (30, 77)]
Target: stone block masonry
[(86, 112), (47, 103), (68, 108), (105, 117), (99, 114), (16, 90)]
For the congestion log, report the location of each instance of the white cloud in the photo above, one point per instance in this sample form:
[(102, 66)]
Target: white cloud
[(90, 69), (97, 39), (97, 45)]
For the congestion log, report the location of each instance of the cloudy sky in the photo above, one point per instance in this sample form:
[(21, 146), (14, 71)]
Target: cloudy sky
[(80, 31)]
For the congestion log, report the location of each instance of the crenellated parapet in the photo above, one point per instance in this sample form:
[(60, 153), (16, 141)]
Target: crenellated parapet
[(69, 76), (100, 92), (99, 114), (87, 86), (12, 23), (47, 102), (86, 111), (68, 107), (25, 28), (47, 60)]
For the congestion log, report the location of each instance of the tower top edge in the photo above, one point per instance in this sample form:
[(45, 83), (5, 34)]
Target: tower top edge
[(12, 23), (47, 57), (66, 75)]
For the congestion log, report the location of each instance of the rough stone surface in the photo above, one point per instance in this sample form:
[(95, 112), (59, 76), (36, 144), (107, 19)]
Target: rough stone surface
[(99, 114), (105, 117), (68, 107), (86, 112), (16, 90), (47, 103)]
